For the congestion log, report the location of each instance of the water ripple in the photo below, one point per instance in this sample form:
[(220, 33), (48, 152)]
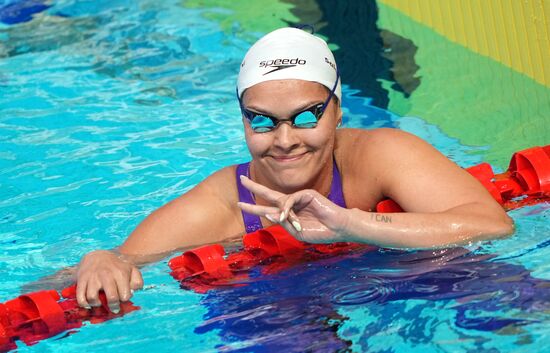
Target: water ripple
[(49, 191), (43, 215), (362, 291)]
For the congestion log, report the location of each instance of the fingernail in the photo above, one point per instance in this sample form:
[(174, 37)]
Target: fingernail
[(87, 307), (132, 291), (282, 217), (297, 226), (271, 219), (115, 310)]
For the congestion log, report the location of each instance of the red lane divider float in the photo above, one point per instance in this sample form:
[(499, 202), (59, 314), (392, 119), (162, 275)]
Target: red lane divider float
[(208, 267), (35, 316), (527, 181)]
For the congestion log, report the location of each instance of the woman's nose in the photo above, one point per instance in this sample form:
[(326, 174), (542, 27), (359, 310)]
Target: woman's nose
[(286, 137)]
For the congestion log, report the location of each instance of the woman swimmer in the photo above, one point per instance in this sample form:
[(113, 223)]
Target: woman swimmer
[(321, 183)]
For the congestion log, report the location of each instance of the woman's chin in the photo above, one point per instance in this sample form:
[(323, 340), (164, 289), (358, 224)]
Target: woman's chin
[(292, 181)]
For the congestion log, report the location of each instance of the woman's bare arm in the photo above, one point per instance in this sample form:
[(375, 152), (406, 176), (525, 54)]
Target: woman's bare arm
[(444, 205), (202, 215)]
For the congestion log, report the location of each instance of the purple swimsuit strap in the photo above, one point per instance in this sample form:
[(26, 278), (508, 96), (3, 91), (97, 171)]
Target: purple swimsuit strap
[(336, 194), (253, 223)]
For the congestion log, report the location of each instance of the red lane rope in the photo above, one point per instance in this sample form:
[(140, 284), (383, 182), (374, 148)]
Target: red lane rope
[(35, 316), (526, 182)]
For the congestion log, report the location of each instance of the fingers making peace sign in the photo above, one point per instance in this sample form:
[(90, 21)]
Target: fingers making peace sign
[(306, 214)]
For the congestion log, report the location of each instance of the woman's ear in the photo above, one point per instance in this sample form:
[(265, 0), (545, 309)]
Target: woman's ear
[(340, 115)]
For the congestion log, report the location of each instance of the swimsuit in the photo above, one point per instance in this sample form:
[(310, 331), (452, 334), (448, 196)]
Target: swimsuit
[(252, 222)]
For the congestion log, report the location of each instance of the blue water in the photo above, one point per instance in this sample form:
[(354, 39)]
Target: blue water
[(108, 110)]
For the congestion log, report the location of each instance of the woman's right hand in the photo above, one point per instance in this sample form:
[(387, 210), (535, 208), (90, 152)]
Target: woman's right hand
[(306, 214), (104, 270)]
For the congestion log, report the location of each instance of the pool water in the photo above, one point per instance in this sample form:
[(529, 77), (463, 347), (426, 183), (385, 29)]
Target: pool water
[(109, 109)]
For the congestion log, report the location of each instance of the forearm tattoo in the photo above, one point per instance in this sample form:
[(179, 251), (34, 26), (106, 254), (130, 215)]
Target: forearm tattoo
[(380, 218)]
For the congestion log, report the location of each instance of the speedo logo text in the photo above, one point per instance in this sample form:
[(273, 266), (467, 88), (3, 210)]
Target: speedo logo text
[(281, 64)]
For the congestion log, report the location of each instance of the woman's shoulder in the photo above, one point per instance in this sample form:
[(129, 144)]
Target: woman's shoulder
[(363, 142), (365, 157), (378, 152), (217, 195), (371, 153), (223, 183), (355, 135)]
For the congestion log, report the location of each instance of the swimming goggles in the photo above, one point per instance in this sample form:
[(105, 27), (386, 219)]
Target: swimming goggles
[(306, 119)]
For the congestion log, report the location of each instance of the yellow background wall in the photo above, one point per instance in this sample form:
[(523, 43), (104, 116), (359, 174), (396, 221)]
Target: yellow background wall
[(512, 32)]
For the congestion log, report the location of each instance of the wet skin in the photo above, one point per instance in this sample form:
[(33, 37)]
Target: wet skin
[(288, 159), (291, 173)]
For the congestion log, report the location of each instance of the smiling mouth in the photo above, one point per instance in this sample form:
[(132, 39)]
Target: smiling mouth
[(285, 159)]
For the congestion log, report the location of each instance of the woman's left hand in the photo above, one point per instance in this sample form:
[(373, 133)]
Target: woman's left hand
[(306, 214)]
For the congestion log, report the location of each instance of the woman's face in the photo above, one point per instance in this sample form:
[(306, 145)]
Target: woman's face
[(288, 158)]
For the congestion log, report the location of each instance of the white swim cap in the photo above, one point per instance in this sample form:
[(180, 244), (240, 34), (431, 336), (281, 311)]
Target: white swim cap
[(289, 53)]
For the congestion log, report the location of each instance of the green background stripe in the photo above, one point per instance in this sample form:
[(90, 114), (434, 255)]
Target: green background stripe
[(470, 97)]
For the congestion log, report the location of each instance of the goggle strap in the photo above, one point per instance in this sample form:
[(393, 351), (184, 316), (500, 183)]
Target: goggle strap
[(331, 91), (243, 111)]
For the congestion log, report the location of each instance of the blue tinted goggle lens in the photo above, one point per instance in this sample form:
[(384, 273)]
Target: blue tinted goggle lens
[(262, 123), (304, 120)]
